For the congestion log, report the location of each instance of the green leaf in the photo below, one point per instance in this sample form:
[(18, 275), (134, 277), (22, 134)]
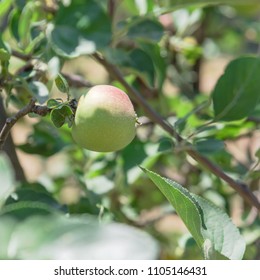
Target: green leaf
[(117, 56), (4, 6), (209, 225), (171, 5), (7, 226), (45, 140), (236, 93), (154, 51), (14, 23), (80, 28), (145, 29), (53, 103), (4, 55), (24, 209), (136, 61), (142, 63), (59, 115), (257, 154), (209, 146), (58, 237), (54, 67), (30, 200), (7, 178), (139, 153), (62, 84), (222, 233), (185, 205), (25, 24)]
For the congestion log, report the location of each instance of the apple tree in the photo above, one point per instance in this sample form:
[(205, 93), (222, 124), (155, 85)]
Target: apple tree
[(178, 180)]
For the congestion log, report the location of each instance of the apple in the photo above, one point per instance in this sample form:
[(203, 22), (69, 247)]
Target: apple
[(105, 120)]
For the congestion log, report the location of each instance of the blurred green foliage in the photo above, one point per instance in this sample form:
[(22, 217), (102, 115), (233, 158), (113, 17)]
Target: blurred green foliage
[(98, 205)]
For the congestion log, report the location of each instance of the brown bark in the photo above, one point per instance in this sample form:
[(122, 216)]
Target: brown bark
[(9, 147)]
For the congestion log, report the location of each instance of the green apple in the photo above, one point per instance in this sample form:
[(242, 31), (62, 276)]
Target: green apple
[(104, 120)]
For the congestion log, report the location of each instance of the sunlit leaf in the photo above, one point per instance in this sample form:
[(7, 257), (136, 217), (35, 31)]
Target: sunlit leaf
[(7, 178), (53, 103), (62, 83), (4, 55), (4, 6), (25, 24), (167, 6), (76, 238), (39, 91), (210, 226)]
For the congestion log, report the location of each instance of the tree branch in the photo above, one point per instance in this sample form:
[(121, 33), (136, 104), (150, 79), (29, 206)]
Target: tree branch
[(111, 8), (21, 56), (9, 148), (10, 122), (138, 98), (76, 80), (240, 187)]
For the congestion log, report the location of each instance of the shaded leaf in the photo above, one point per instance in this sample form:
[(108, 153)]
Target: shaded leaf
[(31, 200), (139, 153), (145, 29), (209, 145), (44, 140), (236, 93), (117, 56), (80, 28), (14, 23), (142, 63), (257, 154), (136, 61), (24, 209), (59, 115), (154, 51)]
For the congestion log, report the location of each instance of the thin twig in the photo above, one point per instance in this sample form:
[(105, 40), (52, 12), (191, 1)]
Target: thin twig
[(240, 187), (73, 79), (21, 56), (9, 148), (10, 122), (76, 80), (111, 8), (139, 99)]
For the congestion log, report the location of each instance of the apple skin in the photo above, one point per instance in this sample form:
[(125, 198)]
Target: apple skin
[(104, 120)]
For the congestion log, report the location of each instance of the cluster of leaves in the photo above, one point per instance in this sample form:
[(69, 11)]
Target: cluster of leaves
[(153, 43)]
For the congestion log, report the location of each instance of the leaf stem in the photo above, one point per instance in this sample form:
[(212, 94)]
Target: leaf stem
[(11, 121)]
